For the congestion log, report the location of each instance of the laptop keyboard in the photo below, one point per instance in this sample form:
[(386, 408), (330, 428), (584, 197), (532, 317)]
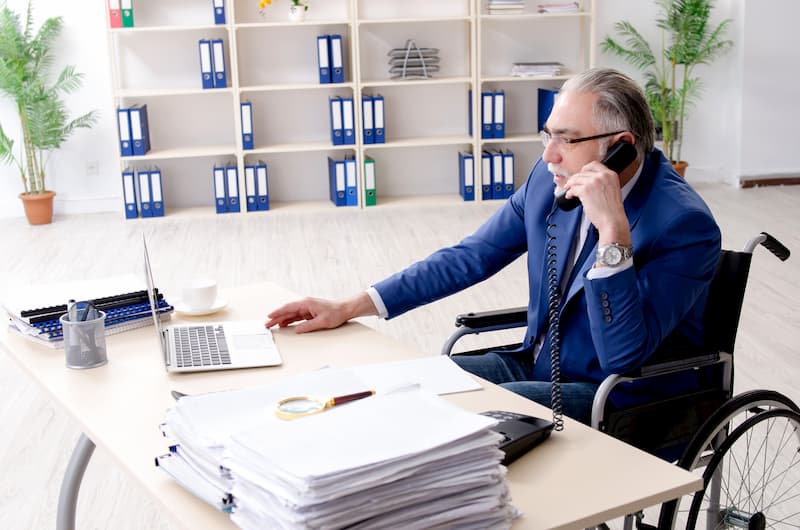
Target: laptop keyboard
[(201, 346)]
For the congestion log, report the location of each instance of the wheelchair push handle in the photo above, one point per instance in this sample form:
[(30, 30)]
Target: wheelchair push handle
[(773, 245)]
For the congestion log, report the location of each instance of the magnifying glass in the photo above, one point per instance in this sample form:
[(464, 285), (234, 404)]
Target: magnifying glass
[(299, 406)]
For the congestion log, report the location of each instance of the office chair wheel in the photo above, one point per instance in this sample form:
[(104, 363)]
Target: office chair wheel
[(708, 444)]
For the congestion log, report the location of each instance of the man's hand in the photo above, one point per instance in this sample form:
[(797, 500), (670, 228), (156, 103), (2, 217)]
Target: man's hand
[(599, 190), (321, 314)]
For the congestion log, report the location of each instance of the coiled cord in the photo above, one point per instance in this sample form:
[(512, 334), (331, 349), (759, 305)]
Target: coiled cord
[(553, 304)]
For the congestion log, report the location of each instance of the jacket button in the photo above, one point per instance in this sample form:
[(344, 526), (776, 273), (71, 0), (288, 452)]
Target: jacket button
[(606, 311), (604, 295), (605, 303), (608, 318)]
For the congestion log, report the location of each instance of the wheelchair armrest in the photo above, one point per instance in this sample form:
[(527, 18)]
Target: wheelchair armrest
[(507, 318), (663, 362), (674, 364), (485, 321)]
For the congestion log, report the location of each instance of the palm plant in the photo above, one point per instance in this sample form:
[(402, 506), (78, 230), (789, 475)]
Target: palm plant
[(25, 59), (671, 86)]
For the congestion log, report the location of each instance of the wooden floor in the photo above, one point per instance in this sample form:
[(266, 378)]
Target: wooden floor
[(329, 253)]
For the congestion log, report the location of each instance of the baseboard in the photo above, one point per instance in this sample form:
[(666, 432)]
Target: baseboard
[(772, 181)]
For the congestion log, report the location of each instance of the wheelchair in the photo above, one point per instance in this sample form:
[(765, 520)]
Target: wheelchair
[(747, 446)]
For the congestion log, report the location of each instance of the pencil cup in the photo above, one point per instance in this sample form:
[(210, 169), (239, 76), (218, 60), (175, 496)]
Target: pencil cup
[(85, 342)]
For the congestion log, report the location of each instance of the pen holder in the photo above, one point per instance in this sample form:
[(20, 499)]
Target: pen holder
[(85, 342)]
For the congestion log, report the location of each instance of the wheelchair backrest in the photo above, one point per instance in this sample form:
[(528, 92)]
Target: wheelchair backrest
[(725, 297)]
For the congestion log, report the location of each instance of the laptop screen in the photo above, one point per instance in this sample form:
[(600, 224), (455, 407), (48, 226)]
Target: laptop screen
[(151, 294)]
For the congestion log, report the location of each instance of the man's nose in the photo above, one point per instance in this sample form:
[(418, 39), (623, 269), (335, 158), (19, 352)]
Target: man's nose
[(551, 154)]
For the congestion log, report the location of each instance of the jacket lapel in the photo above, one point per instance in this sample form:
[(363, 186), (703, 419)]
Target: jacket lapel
[(562, 226), (633, 205)]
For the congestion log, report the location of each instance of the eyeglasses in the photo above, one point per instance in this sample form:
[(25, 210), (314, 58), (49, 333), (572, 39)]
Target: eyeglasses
[(560, 141)]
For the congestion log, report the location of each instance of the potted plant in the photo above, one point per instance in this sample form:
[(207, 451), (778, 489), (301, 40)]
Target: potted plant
[(671, 84), (297, 9), (25, 60)]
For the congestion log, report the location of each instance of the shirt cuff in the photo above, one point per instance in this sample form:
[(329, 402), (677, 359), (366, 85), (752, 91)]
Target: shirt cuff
[(606, 272), (378, 301)]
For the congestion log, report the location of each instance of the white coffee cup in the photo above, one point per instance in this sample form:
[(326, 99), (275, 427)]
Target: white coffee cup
[(200, 294)]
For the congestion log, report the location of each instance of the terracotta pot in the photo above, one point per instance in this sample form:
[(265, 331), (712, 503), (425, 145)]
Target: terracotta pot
[(38, 207), (680, 167)]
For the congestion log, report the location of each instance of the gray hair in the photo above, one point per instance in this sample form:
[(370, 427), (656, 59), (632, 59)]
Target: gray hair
[(620, 105)]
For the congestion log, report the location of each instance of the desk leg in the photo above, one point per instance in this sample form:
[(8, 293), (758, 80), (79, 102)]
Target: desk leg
[(71, 485)]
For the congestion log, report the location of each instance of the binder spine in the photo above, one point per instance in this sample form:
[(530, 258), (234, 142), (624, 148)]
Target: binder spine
[(324, 59), (370, 191), (262, 186), (218, 63), (251, 192), (247, 124), (219, 11)]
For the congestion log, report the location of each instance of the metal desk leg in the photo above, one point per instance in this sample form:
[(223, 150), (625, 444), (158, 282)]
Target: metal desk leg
[(71, 485)]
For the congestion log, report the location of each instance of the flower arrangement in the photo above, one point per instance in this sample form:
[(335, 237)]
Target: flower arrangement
[(262, 4)]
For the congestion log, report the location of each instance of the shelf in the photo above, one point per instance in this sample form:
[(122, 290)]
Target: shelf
[(415, 201), (373, 22), (513, 138), (421, 141), (298, 148), (171, 28), (515, 17), (294, 86), (411, 82), (162, 92), (286, 23), (184, 152), (529, 79)]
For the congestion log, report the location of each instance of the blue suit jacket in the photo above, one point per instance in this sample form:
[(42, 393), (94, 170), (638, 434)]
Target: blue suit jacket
[(608, 325)]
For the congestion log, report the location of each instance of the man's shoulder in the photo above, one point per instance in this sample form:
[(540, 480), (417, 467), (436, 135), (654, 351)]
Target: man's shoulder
[(671, 191)]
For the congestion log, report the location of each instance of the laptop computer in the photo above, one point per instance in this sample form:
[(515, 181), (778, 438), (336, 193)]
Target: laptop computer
[(208, 346)]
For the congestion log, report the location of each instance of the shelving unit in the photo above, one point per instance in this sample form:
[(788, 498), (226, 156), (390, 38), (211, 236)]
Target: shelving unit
[(271, 62)]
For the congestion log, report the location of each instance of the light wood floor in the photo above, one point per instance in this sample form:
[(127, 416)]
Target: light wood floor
[(330, 254)]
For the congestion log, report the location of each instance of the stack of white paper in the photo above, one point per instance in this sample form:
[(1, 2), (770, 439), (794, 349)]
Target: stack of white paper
[(201, 425), (535, 69), (402, 458), (407, 459), (505, 7), (559, 7)]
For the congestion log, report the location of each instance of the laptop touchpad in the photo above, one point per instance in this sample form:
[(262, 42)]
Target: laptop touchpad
[(260, 341)]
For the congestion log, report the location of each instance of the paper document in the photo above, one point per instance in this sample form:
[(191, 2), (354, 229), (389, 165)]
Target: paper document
[(402, 458), (437, 374)]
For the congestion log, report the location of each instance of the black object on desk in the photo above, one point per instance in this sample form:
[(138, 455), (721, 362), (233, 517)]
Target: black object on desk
[(521, 432)]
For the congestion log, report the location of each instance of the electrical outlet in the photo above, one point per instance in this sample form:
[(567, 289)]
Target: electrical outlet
[(92, 168)]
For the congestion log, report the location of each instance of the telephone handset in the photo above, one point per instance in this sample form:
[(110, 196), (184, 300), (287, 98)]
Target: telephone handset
[(619, 156)]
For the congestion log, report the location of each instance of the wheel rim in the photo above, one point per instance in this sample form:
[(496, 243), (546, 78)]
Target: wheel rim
[(733, 413), (757, 470)]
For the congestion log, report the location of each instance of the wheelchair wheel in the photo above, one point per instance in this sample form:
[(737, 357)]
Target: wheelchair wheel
[(753, 479), (708, 441)]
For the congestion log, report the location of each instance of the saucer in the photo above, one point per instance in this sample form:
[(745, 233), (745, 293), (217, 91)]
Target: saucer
[(180, 307)]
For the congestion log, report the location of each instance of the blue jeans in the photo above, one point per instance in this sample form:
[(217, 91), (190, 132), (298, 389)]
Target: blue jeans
[(513, 371)]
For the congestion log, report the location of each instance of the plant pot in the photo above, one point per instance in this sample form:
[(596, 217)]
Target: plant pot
[(38, 207), (297, 13), (680, 167)]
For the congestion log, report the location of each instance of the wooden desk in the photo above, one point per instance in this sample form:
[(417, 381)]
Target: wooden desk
[(577, 479)]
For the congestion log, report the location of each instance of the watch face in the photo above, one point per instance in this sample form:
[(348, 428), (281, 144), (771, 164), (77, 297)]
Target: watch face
[(612, 255)]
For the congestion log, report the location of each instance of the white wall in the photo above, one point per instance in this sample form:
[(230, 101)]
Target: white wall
[(742, 127), (712, 131), (83, 43), (769, 98)]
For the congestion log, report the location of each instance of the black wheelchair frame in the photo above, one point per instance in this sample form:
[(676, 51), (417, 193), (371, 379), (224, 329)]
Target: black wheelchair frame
[(710, 430)]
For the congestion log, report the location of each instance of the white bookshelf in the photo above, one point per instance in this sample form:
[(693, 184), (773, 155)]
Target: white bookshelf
[(271, 62)]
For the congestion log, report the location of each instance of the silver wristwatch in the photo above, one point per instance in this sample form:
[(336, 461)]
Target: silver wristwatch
[(613, 255)]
